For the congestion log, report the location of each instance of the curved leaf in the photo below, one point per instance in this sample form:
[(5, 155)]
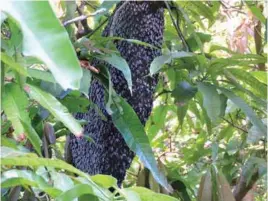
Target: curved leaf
[(75, 192), (38, 27), (13, 65), (212, 100), (245, 108), (127, 122), (59, 164), (59, 111), (120, 64)]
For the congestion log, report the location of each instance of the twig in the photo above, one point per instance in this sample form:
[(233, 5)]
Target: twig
[(232, 124), (184, 43), (162, 92), (97, 28), (83, 17)]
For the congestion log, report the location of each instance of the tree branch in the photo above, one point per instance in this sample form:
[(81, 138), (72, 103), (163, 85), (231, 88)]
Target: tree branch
[(82, 17), (242, 188)]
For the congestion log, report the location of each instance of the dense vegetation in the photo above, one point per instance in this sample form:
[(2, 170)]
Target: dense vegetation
[(207, 130)]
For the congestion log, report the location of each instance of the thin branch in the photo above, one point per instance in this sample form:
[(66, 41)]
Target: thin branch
[(235, 126), (97, 28), (184, 43), (162, 92), (83, 17)]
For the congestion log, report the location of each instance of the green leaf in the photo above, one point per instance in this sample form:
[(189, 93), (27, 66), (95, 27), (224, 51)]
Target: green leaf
[(106, 181), (212, 100), (183, 93), (16, 177), (148, 195), (204, 192), (254, 134), (256, 11), (121, 64), (247, 78), (41, 75), (32, 136), (159, 61), (59, 56), (59, 111), (245, 108), (15, 103), (13, 65), (191, 41), (77, 191), (181, 112), (59, 164), (127, 122), (85, 82)]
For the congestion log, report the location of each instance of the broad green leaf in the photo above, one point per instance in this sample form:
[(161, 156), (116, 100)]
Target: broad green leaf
[(61, 181), (16, 177), (75, 192), (183, 93), (127, 122), (148, 195), (245, 108), (181, 112), (204, 10), (205, 188), (211, 100), (59, 56), (121, 64), (192, 42), (41, 75), (13, 65), (159, 61), (260, 75), (254, 134), (59, 164), (32, 136), (106, 181), (15, 103), (252, 165), (59, 111)]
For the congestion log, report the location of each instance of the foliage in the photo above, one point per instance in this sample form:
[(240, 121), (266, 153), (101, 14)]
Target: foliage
[(208, 125)]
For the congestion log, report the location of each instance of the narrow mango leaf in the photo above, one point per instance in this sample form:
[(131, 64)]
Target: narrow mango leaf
[(211, 100), (205, 189), (59, 111), (224, 189), (120, 64), (85, 82), (256, 11), (127, 122), (16, 177), (59, 164), (32, 136), (12, 152), (59, 57), (148, 195), (245, 108), (247, 78), (15, 103), (13, 65), (75, 192), (181, 113)]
